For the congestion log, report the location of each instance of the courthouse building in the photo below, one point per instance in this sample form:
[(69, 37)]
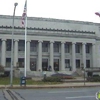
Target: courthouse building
[(64, 45)]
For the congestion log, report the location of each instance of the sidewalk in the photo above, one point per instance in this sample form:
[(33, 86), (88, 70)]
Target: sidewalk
[(63, 85)]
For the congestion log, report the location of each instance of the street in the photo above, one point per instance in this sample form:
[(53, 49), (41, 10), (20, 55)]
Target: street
[(58, 94)]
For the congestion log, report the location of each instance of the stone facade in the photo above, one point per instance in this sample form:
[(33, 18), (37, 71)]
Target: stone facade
[(52, 44)]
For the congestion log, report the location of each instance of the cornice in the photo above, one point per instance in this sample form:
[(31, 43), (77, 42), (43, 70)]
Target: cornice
[(46, 29), (46, 33)]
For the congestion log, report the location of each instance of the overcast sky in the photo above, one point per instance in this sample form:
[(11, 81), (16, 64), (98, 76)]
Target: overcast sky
[(82, 10)]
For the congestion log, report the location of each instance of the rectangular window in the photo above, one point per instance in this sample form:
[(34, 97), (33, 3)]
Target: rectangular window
[(67, 63), (67, 48), (33, 46), (44, 64), (8, 62), (87, 63), (21, 62), (56, 64), (87, 48), (77, 63), (44, 47), (33, 64), (21, 45), (8, 45), (77, 47), (56, 47)]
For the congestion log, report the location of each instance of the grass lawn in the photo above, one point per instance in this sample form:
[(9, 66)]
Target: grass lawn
[(16, 81)]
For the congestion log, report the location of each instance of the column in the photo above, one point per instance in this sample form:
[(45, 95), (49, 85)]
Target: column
[(3, 57), (93, 55), (62, 56), (51, 55), (84, 54), (28, 56), (73, 57), (16, 52), (40, 55)]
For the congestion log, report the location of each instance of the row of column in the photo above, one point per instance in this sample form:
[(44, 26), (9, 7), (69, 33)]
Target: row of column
[(51, 54), (3, 52), (63, 55)]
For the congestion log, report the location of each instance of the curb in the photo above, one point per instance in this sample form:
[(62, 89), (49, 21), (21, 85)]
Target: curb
[(43, 87)]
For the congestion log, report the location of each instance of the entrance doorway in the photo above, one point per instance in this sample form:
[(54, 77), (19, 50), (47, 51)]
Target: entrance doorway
[(33, 64), (44, 64), (56, 64)]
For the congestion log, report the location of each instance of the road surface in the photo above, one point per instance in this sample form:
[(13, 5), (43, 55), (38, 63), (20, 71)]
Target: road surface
[(57, 94)]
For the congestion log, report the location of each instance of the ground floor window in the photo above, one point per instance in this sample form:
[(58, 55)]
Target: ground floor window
[(44, 64), (67, 63), (8, 62), (33, 64), (21, 62), (56, 64), (78, 63), (87, 63)]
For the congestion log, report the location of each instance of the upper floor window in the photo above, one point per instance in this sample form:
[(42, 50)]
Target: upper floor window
[(33, 46), (8, 45), (87, 48), (21, 45), (77, 47), (45, 47), (56, 47), (67, 48)]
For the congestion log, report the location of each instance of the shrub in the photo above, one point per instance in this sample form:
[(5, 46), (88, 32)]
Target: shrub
[(67, 77), (63, 76), (94, 79), (52, 79)]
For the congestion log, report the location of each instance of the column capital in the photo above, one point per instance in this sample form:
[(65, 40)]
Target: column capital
[(52, 41), (73, 42), (40, 40), (3, 39), (83, 43), (28, 41), (63, 42), (16, 40), (93, 43)]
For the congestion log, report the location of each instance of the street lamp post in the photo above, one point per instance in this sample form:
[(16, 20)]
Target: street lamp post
[(12, 51)]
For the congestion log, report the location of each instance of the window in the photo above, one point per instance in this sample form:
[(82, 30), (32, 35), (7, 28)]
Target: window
[(21, 45), (67, 48), (56, 64), (67, 63), (44, 64), (21, 62), (77, 63), (56, 47), (44, 47), (8, 62), (8, 45), (87, 63), (33, 46), (33, 64), (77, 46), (87, 48)]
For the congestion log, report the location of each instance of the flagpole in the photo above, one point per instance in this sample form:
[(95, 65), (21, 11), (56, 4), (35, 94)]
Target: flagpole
[(25, 39)]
